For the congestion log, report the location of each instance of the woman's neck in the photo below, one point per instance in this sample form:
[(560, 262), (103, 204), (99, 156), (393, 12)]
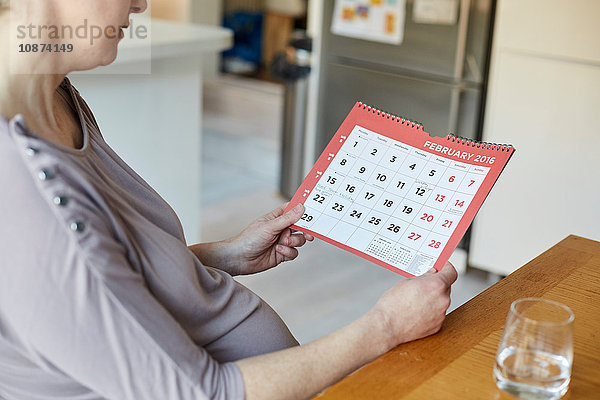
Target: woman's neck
[(30, 93)]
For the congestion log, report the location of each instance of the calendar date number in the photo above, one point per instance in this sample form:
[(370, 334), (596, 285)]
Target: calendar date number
[(306, 217), (394, 228), (434, 244), (319, 199)]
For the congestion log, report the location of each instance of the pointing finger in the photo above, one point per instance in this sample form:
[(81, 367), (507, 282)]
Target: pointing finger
[(287, 219), (276, 212)]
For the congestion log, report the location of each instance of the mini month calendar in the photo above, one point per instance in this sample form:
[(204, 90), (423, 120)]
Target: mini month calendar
[(387, 191)]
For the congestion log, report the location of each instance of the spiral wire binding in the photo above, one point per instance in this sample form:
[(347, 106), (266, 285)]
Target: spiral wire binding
[(479, 144), (455, 139), (399, 119)]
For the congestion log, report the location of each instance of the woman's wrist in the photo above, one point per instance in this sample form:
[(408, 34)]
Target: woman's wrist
[(220, 255), (380, 328)]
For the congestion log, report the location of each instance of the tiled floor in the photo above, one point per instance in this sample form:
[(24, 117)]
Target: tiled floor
[(324, 288)]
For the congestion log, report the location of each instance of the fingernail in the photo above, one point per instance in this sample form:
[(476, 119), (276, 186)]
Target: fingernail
[(298, 207)]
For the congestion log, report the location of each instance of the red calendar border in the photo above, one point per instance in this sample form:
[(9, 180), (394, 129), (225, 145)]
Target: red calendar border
[(411, 134)]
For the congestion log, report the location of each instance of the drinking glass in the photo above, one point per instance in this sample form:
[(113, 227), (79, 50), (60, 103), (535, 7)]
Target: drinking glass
[(535, 353)]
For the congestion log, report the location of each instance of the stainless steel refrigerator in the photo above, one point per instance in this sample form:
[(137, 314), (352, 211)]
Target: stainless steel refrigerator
[(435, 76)]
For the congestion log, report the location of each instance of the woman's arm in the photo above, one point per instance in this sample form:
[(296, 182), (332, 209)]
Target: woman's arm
[(264, 244), (218, 255), (303, 371), (412, 309), (82, 312)]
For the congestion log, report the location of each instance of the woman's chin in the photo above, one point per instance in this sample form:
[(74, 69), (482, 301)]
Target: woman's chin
[(109, 55), (105, 58), (109, 59)]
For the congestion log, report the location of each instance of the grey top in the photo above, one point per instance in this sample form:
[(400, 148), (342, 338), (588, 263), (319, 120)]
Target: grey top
[(99, 295)]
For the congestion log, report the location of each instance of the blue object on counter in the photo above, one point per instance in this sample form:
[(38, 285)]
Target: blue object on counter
[(247, 29)]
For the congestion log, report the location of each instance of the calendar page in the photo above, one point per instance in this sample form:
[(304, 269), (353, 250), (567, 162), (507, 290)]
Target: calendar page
[(387, 191)]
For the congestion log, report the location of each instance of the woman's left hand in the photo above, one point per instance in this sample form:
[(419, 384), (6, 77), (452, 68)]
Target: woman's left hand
[(267, 242)]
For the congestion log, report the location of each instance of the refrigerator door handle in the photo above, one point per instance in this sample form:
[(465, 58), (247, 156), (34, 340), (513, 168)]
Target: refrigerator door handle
[(454, 110), (474, 68), (459, 64), (461, 45)]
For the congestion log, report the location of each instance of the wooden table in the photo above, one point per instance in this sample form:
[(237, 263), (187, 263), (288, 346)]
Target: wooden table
[(457, 362)]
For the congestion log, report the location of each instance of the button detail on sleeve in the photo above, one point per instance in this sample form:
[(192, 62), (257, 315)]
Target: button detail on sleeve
[(31, 151), (46, 174), (77, 226), (61, 200)]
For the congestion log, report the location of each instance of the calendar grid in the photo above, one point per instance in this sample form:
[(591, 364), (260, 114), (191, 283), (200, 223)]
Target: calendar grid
[(394, 194), (394, 202)]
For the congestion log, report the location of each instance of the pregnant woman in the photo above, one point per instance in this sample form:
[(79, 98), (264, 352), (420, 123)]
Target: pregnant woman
[(100, 297)]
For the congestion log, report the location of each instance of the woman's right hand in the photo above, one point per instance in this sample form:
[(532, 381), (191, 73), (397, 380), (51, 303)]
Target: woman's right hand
[(415, 307)]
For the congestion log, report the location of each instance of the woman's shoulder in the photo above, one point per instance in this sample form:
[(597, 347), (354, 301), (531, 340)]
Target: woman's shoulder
[(42, 199)]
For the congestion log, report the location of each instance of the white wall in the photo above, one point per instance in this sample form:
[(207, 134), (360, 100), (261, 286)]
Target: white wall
[(544, 98), (208, 12), (205, 12)]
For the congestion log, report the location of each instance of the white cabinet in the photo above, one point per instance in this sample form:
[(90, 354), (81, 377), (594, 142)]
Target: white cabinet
[(544, 98), (564, 28)]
